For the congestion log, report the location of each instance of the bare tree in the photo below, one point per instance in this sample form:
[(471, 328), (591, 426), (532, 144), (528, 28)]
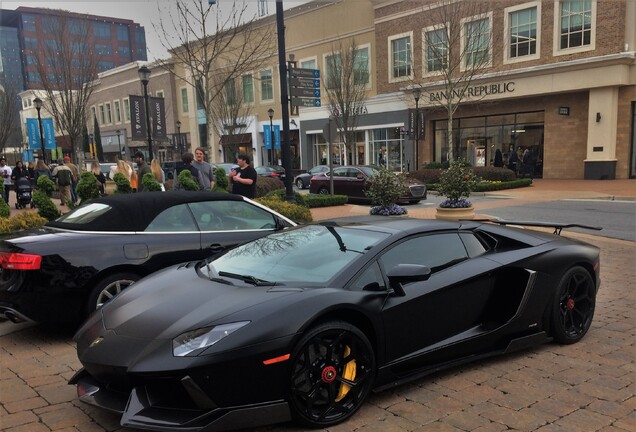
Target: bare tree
[(215, 49), (9, 106), (67, 66), (458, 48), (233, 112), (347, 81)]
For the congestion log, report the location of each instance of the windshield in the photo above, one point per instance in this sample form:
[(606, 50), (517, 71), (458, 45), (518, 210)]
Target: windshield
[(312, 253), (84, 214), (369, 171)]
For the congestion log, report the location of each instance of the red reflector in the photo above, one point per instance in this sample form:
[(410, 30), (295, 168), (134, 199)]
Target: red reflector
[(276, 359), (18, 261)]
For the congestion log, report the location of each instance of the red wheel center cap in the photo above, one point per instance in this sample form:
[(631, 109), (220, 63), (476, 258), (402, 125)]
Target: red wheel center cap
[(329, 374), (570, 304)]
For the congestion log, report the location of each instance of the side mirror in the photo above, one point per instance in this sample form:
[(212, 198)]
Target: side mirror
[(360, 176), (403, 273)]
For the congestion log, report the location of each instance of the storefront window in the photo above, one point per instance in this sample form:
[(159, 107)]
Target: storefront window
[(477, 139), (387, 149)]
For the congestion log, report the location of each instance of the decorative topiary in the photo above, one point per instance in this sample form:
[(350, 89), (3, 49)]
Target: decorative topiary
[(122, 184), (46, 207), (384, 188), (87, 188), (456, 183), (186, 181), (46, 185), (150, 183), (221, 182)]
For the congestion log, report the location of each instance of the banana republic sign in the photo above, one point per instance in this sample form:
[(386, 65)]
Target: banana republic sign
[(138, 118), (478, 91)]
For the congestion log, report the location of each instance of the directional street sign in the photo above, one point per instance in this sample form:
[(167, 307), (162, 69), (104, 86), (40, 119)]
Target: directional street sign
[(304, 82), (304, 73), (305, 92), (305, 102)]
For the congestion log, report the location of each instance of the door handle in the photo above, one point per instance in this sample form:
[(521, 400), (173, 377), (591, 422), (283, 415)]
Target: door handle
[(216, 248)]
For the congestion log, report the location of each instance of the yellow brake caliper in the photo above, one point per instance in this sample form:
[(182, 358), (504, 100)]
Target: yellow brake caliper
[(348, 373)]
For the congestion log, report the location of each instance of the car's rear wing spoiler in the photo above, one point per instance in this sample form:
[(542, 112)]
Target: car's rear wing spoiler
[(554, 225)]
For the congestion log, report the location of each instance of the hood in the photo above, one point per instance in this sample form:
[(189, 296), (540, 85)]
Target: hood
[(178, 299)]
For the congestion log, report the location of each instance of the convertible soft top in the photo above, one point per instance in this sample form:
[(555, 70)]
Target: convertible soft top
[(133, 212)]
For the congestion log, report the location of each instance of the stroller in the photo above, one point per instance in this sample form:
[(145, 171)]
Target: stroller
[(23, 193)]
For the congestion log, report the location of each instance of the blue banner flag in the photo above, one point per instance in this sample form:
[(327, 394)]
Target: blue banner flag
[(33, 133)]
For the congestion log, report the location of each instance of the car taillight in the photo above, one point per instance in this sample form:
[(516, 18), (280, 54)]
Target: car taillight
[(18, 261), (275, 175)]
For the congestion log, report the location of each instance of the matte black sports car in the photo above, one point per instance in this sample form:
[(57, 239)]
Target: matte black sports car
[(302, 180), (303, 323), (67, 269)]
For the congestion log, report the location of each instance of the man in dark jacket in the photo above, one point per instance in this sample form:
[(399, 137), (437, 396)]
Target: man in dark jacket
[(142, 168)]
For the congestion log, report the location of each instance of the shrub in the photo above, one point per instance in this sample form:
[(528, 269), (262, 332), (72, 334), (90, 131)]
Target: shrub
[(44, 204), (516, 183), (295, 212), (87, 188), (281, 194), (385, 188), (427, 175), (495, 173), (186, 181), (456, 183), (122, 184), (320, 200), (221, 181), (21, 221), (46, 185), (437, 165), (265, 185), (150, 183), (5, 210)]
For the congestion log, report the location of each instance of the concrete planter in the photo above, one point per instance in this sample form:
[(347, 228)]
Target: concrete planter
[(455, 213)]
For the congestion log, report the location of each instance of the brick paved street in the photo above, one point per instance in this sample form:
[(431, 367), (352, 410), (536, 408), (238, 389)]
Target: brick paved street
[(585, 387)]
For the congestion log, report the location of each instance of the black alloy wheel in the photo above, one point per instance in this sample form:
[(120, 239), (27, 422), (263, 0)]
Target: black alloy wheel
[(300, 184), (332, 372), (574, 304), (323, 191)]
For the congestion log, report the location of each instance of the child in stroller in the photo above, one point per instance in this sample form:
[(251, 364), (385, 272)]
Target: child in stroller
[(23, 193)]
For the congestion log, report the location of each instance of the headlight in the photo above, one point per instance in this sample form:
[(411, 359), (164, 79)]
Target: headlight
[(199, 339)]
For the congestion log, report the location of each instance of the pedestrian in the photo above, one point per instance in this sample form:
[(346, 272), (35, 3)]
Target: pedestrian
[(76, 176), (6, 175), (206, 170), (142, 168), (498, 162), (187, 159), (243, 180), (99, 175), (64, 177), (157, 172), (42, 169), (512, 160), (20, 171), (527, 163)]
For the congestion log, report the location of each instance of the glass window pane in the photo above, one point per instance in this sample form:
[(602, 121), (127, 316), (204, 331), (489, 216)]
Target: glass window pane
[(173, 219)]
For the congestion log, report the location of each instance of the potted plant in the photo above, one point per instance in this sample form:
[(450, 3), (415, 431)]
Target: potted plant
[(455, 184), (384, 189)]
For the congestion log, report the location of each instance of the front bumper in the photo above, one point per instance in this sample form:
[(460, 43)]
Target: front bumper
[(188, 409)]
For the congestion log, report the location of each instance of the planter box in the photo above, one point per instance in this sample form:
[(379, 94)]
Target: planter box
[(455, 213)]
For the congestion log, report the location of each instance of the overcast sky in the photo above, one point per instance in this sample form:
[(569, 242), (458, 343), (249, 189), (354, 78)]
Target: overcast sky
[(144, 12)]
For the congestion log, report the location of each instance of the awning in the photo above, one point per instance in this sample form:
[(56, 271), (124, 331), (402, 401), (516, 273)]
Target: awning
[(238, 139)]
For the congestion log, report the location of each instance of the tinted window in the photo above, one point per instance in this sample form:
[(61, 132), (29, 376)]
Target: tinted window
[(340, 172), (473, 245), (436, 251), (370, 279), (85, 214), (312, 253), (173, 219), (231, 215)]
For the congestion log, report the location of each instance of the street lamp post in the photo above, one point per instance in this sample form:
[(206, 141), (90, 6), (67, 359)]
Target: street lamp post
[(38, 106), (91, 141), (118, 132), (416, 94), (179, 143), (144, 76), (270, 113)]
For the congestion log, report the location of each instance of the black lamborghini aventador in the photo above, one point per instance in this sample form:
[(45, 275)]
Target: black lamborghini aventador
[(303, 323)]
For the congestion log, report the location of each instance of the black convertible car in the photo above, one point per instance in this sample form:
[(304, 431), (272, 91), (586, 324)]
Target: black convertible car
[(303, 323), (70, 267)]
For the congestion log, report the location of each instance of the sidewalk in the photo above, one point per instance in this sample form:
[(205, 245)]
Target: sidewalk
[(541, 190)]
